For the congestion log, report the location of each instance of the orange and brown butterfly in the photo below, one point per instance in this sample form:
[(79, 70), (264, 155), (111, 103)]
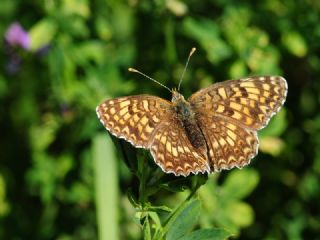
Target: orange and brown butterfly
[(214, 129)]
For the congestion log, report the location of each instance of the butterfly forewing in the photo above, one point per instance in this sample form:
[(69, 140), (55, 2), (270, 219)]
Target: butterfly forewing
[(134, 118), (248, 102)]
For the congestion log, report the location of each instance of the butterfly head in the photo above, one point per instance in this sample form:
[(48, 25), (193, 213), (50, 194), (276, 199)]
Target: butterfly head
[(177, 97)]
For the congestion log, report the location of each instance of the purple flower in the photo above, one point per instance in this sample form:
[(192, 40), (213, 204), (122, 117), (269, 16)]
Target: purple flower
[(17, 36)]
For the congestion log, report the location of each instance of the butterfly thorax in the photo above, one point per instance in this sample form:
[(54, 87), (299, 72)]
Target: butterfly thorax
[(186, 116), (182, 107)]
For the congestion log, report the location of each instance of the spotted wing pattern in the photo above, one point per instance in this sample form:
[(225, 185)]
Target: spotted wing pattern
[(229, 144), (173, 152), (230, 113), (134, 118), (248, 102), (151, 122)]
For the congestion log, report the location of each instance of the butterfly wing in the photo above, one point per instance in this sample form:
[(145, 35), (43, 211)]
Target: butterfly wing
[(134, 118), (173, 152), (248, 102), (229, 114), (229, 144)]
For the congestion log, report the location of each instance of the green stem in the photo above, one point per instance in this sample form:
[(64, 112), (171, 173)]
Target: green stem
[(146, 228), (142, 180)]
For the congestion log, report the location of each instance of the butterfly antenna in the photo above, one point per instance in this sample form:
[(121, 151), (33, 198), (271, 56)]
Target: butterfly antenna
[(136, 71), (185, 67)]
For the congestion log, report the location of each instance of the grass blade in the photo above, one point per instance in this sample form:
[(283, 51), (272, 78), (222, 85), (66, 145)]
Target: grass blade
[(106, 187)]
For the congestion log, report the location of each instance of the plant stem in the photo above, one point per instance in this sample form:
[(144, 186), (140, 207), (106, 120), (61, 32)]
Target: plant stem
[(142, 186)]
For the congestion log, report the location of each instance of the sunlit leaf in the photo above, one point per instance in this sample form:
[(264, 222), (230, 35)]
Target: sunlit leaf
[(295, 43), (80, 7), (240, 213), (177, 7), (207, 234), (271, 145), (240, 183), (42, 33)]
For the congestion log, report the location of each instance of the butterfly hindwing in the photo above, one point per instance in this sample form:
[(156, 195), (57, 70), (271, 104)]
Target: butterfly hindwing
[(173, 152), (229, 144)]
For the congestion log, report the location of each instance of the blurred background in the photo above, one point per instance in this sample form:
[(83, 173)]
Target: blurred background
[(61, 176)]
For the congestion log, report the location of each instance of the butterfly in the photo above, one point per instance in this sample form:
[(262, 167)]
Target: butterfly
[(214, 129)]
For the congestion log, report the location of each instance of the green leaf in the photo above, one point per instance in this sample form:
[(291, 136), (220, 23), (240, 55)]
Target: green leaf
[(103, 28), (309, 187), (263, 60), (156, 219), (238, 69), (41, 136), (207, 234), (42, 33), (79, 192), (78, 7), (146, 229), (240, 183), (89, 51), (207, 33), (271, 145), (178, 8), (295, 43), (184, 221), (106, 186), (160, 209), (240, 213)]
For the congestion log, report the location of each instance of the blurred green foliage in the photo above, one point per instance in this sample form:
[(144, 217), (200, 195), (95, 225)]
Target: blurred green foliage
[(60, 178)]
